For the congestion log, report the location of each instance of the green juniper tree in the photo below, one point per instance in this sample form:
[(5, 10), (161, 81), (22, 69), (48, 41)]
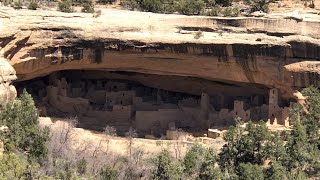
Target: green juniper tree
[(209, 168), (25, 142), (276, 171), (303, 144), (193, 158), (65, 6), (87, 6), (21, 118), (165, 168), (191, 7), (250, 171)]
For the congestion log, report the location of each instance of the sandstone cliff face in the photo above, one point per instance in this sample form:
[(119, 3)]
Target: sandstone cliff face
[(7, 75), (271, 52)]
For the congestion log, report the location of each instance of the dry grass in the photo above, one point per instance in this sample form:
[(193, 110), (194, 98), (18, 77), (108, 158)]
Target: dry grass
[(119, 145)]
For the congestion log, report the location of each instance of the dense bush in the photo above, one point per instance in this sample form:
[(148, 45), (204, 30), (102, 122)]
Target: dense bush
[(65, 6), (21, 117), (250, 171), (106, 1), (259, 5), (312, 5), (33, 5), (193, 159), (244, 147), (16, 166), (12, 167), (108, 173), (210, 3), (186, 7), (190, 7), (131, 4), (156, 6), (18, 4), (224, 2), (151, 5), (165, 167), (169, 6), (208, 166), (214, 11), (25, 143), (231, 12), (87, 6)]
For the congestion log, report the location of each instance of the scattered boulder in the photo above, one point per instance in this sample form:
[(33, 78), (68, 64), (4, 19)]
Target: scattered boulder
[(177, 135), (301, 100), (294, 16), (258, 14), (215, 133)]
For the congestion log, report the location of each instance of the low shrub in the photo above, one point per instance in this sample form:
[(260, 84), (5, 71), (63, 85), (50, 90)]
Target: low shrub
[(259, 5), (65, 6), (108, 173), (215, 11), (169, 7), (17, 5), (106, 1), (198, 35), (151, 5), (87, 7), (33, 5), (311, 5), (191, 7), (131, 4), (231, 12), (224, 3)]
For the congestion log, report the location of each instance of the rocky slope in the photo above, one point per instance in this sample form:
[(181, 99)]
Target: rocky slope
[(280, 51)]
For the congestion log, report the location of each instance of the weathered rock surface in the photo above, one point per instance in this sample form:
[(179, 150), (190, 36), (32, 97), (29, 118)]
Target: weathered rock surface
[(7, 75), (272, 52)]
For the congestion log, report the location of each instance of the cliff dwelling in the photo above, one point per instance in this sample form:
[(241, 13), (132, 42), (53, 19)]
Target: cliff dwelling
[(154, 75), (152, 104)]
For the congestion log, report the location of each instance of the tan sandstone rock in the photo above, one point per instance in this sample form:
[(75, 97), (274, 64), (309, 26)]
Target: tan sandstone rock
[(7, 75), (244, 51)]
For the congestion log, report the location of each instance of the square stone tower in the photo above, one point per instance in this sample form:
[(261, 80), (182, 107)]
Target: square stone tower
[(204, 109), (239, 111), (273, 107)]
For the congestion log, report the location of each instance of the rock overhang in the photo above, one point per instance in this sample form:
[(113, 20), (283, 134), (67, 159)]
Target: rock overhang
[(239, 50)]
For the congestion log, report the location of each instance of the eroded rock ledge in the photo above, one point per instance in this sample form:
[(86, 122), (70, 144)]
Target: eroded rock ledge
[(240, 50)]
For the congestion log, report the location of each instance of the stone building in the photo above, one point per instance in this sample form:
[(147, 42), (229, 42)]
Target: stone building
[(98, 103)]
